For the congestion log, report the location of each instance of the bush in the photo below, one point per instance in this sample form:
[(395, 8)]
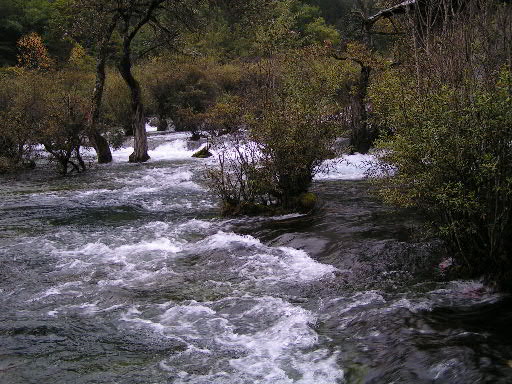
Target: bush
[(15, 140), (447, 151), (22, 111), (66, 103), (452, 158), (47, 109), (289, 133), (187, 92)]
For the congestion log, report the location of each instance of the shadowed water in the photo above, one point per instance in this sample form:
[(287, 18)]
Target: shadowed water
[(126, 275)]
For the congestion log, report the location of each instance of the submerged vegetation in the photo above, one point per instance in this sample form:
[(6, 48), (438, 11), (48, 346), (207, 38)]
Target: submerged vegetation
[(429, 84)]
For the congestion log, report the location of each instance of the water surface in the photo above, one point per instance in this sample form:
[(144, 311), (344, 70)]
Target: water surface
[(127, 275)]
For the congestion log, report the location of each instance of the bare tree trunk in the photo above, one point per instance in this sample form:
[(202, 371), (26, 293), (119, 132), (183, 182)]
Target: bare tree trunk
[(128, 31), (140, 142), (162, 124), (362, 136), (99, 143)]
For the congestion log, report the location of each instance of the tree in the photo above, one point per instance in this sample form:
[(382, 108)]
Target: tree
[(18, 18), (361, 133), (11, 29), (97, 140), (33, 54), (133, 17), (362, 52), (289, 133), (99, 143), (94, 22), (160, 16)]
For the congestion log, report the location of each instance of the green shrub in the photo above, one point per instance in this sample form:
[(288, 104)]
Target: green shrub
[(449, 154), (289, 133), (48, 109), (446, 112), (20, 109)]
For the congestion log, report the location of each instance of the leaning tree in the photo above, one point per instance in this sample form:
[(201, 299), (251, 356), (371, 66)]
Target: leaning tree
[(93, 22), (159, 21)]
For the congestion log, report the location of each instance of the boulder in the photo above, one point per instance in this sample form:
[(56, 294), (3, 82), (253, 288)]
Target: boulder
[(203, 153)]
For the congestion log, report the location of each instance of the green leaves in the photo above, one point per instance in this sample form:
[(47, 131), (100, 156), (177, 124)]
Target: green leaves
[(452, 153)]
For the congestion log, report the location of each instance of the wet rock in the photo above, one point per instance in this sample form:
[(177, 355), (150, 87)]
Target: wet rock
[(307, 202)]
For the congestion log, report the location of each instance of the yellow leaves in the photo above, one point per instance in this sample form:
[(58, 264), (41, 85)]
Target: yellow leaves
[(79, 59), (10, 72), (33, 53)]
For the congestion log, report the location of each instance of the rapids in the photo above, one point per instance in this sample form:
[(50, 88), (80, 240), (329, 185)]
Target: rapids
[(127, 275)]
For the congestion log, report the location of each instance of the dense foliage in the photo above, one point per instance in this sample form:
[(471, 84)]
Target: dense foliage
[(193, 86), (46, 109), (292, 129), (448, 147)]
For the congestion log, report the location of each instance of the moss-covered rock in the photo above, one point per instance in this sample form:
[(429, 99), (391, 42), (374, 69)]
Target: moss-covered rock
[(306, 202), (203, 153), (8, 165)]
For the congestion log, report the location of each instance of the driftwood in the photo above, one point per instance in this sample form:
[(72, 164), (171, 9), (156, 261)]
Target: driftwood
[(399, 9), (408, 6)]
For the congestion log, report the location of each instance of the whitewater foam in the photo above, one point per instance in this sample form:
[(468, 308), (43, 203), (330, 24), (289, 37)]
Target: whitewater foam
[(264, 265), (348, 167), (274, 350), (172, 150)]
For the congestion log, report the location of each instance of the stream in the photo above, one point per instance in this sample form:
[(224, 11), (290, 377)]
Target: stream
[(126, 274)]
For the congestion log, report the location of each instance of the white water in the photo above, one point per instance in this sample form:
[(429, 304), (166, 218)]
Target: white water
[(173, 150), (348, 167), (277, 347), (247, 334), (150, 128)]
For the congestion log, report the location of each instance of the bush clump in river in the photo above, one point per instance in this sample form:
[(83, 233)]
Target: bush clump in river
[(270, 166)]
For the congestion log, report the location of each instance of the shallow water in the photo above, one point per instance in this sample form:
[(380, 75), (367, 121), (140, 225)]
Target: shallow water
[(127, 275)]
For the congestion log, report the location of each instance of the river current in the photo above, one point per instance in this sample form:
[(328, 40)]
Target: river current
[(126, 274)]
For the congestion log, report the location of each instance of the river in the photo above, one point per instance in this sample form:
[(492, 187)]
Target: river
[(126, 274)]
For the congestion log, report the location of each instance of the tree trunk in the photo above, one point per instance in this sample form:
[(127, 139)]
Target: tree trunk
[(140, 142), (101, 146), (99, 143), (361, 137), (162, 124)]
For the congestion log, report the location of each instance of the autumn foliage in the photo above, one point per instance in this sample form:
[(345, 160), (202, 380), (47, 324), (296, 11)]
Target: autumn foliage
[(33, 53)]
